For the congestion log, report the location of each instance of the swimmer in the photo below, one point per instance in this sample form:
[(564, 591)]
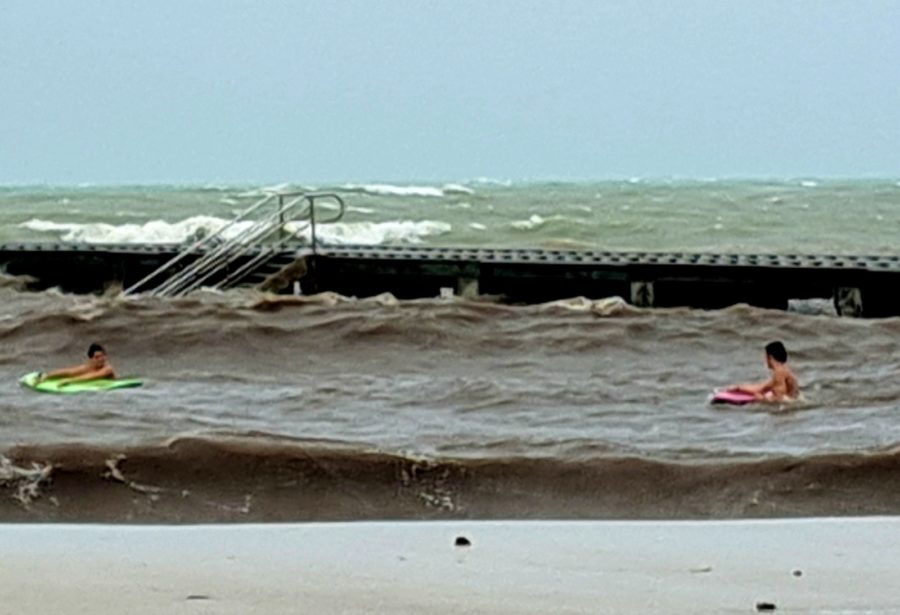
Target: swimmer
[(782, 386), (97, 367)]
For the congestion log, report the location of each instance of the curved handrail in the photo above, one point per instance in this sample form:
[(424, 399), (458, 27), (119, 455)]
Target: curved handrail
[(342, 208)]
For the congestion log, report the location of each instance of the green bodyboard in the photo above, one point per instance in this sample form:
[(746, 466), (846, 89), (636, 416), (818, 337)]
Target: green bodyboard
[(86, 386)]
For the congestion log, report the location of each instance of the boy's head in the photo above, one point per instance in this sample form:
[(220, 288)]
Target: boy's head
[(776, 351), (97, 355)]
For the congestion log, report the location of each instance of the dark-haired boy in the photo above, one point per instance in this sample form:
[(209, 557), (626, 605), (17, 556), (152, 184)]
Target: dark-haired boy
[(782, 386), (95, 368)]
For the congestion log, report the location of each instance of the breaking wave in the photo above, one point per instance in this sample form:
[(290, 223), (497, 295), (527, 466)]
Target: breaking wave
[(261, 479), (421, 191), (162, 232)]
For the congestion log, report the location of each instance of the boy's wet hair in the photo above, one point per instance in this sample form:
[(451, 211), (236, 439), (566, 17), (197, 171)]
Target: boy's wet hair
[(94, 349), (777, 351)]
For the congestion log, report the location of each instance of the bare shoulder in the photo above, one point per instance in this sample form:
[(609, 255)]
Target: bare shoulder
[(791, 382)]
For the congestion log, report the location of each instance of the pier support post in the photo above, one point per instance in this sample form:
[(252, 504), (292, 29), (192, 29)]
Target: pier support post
[(467, 288), (642, 294), (287, 277), (848, 301)]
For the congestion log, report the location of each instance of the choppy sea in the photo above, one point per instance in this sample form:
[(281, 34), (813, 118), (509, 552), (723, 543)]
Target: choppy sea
[(258, 407)]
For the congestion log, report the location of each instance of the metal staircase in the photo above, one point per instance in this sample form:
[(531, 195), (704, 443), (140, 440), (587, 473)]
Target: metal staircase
[(260, 245)]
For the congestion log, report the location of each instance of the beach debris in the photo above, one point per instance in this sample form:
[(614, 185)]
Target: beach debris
[(462, 541), (197, 597), (797, 572), (765, 607), (701, 570)]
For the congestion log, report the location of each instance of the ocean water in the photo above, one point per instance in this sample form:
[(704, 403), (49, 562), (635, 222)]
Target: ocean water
[(261, 407), (796, 216)]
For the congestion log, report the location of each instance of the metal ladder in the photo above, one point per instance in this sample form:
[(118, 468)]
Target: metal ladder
[(214, 258)]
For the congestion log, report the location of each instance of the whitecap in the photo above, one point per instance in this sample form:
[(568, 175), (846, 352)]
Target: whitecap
[(154, 231), (392, 190), (276, 188), (809, 184), (533, 222), (478, 226), (372, 233), (163, 232), (457, 189), (490, 181)]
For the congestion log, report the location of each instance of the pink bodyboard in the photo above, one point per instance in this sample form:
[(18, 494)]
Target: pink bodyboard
[(735, 398)]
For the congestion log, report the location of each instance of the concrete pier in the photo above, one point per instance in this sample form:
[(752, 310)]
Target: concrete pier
[(863, 286)]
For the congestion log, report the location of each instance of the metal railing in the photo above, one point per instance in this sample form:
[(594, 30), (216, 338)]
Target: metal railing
[(213, 255)]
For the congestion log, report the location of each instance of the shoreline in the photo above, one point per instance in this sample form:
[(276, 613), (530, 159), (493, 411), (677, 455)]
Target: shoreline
[(797, 566)]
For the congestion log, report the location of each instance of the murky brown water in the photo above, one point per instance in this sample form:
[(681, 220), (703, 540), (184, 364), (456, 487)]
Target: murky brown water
[(486, 400)]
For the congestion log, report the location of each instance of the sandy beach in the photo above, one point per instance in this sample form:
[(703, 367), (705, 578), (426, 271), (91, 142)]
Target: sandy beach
[(795, 566)]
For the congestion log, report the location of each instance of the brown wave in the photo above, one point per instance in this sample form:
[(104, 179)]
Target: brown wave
[(454, 378), (15, 282), (196, 480)]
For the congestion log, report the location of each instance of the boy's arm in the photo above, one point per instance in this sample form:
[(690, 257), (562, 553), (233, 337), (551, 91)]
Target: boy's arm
[(65, 372), (96, 374), (757, 390)]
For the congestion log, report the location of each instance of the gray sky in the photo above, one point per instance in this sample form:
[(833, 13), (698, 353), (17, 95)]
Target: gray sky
[(217, 90)]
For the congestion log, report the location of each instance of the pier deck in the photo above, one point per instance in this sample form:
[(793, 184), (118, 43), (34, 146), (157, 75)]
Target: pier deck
[(860, 285)]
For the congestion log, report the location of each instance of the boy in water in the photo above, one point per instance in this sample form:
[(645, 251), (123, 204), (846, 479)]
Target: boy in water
[(782, 386), (95, 368)]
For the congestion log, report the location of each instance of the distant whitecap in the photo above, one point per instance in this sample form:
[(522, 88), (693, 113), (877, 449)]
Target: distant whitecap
[(533, 222), (457, 189), (392, 190)]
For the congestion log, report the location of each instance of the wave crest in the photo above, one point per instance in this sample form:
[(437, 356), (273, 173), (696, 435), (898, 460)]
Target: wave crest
[(163, 232), (262, 478)]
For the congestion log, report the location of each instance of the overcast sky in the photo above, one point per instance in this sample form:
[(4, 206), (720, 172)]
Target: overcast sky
[(417, 90)]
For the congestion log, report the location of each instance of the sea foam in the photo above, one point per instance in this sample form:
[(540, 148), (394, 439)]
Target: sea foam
[(163, 232)]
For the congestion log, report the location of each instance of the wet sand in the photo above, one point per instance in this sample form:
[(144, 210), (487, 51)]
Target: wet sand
[(798, 566)]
